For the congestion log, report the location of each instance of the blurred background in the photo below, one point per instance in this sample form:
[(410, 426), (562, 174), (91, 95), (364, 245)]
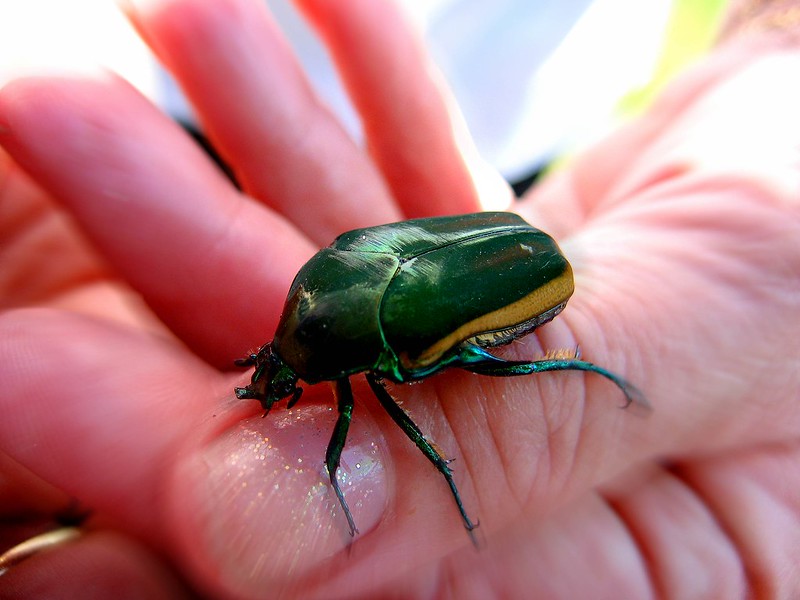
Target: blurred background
[(534, 79)]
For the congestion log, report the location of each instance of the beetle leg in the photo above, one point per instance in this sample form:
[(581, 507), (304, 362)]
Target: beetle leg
[(344, 399), (503, 368), (410, 428), (247, 361), (295, 397)]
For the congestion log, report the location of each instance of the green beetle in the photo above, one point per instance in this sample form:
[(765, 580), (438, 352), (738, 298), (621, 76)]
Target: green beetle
[(403, 301)]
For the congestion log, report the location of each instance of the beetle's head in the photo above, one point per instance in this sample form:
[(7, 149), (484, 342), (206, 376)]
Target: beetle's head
[(273, 379)]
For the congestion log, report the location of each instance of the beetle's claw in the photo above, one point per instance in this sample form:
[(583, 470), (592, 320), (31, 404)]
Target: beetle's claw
[(247, 361), (244, 393), (295, 397), (635, 400), (471, 527)]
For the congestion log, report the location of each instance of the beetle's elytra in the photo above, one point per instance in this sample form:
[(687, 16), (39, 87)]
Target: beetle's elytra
[(406, 300)]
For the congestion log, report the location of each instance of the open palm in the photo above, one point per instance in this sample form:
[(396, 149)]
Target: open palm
[(116, 353)]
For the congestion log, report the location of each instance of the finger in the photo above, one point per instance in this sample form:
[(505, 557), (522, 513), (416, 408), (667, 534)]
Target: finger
[(698, 517), (580, 551), (34, 230), (99, 411), (212, 264), (261, 489), (675, 532), (408, 119), (98, 564), (23, 495), (284, 145)]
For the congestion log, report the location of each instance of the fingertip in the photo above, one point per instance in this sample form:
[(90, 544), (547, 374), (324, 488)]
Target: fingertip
[(414, 132), (261, 490), (29, 103)]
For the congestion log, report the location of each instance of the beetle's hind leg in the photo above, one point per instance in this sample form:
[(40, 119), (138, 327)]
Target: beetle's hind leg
[(497, 367), (410, 428), (344, 399)]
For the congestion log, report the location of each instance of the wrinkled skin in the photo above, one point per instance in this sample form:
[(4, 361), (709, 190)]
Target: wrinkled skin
[(133, 273)]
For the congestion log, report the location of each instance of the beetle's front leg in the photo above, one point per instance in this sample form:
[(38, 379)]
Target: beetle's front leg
[(344, 399), (410, 428)]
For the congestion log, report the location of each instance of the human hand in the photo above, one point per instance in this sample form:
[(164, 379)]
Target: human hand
[(686, 268)]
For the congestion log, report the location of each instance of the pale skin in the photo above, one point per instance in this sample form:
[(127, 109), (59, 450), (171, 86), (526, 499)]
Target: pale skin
[(116, 343)]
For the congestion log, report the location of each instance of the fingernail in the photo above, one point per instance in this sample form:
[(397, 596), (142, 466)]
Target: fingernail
[(268, 513)]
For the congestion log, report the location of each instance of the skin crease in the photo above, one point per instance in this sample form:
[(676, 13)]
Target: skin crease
[(132, 273)]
